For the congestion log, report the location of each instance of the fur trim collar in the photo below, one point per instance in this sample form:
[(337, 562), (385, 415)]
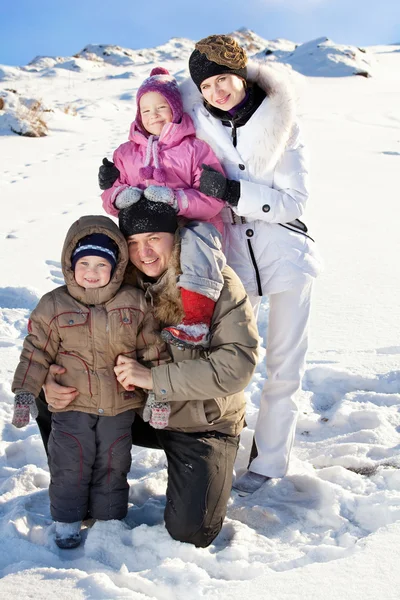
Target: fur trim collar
[(262, 140)]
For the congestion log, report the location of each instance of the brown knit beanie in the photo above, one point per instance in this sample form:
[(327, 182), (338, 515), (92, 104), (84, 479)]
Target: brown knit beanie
[(215, 55)]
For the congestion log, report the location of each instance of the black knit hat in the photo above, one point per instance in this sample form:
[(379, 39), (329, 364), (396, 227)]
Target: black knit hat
[(215, 55), (96, 244), (145, 217)]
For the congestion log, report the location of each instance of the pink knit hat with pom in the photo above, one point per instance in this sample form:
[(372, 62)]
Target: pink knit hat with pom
[(162, 82)]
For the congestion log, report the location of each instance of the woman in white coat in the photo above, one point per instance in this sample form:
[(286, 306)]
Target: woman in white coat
[(247, 115)]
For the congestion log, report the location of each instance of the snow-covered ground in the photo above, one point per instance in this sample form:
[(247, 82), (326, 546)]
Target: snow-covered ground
[(331, 528)]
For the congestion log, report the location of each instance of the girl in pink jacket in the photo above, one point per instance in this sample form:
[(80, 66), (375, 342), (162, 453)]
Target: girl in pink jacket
[(163, 161)]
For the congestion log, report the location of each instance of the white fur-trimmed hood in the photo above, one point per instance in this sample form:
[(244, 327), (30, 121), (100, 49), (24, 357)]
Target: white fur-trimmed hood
[(266, 134)]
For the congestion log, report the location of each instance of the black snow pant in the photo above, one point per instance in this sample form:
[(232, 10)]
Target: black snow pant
[(200, 471), (89, 461)]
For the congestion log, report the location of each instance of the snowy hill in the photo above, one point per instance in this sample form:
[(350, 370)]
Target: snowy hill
[(175, 49), (329, 529), (104, 54), (322, 58)]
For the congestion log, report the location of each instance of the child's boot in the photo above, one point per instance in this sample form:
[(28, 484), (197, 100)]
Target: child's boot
[(194, 330), (68, 535)]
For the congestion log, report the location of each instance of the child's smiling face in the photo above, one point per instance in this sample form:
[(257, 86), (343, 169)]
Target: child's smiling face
[(155, 112), (92, 272)]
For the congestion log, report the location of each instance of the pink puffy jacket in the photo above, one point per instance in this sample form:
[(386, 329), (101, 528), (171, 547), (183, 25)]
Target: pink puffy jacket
[(179, 155)]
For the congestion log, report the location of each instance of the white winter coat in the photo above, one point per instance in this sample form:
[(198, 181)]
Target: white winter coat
[(271, 164)]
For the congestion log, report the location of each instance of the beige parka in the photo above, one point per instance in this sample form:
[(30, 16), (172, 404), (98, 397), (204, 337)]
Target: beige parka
[(205, 388)]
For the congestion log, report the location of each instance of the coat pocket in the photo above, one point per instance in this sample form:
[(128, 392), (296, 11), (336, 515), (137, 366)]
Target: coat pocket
[(73, 327), (77, 374), (123, 324)]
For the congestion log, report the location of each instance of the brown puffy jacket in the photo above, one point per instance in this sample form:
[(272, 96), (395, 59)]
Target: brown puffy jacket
[(205, 388), (85, 330)]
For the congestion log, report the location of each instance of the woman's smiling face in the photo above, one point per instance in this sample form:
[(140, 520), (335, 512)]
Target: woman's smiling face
[(223, 91)]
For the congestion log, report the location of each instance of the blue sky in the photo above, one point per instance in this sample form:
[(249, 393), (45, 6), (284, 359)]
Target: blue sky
[(55, 28)]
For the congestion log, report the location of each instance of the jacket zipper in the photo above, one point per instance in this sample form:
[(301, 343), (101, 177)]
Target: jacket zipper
[(252, 257), (234, 134), (253, 260), (94, 371)]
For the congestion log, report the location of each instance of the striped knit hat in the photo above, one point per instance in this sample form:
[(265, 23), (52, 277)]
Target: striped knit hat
[(96, 244)]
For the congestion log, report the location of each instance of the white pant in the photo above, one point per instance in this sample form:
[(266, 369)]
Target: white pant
[(287, 341)]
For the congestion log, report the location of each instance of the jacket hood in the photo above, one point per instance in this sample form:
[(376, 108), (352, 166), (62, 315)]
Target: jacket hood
[(172, 134), (84, 226), (268, 130)]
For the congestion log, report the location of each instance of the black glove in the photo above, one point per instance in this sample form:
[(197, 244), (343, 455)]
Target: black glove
[(213, 183), (108, 173)]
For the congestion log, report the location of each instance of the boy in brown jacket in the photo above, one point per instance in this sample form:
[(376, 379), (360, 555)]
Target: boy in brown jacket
[(83, 326)]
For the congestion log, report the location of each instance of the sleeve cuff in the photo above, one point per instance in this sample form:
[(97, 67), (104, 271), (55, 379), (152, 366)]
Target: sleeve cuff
[(161, 384)]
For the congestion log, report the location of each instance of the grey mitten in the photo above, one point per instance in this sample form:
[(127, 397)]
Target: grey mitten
[(24, 407), (127, 197), (156, 413), (159, 193)]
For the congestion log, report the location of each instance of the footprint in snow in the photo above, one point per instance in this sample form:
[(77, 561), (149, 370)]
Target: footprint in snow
[(57, 277), (18, 297), (6, 344), (56, 274)]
